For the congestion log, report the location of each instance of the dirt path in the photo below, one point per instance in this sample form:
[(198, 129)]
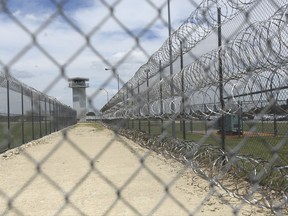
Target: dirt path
[(94, 172)]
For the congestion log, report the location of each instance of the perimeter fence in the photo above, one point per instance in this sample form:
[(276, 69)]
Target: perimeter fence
[(233, 98), (27, 114), (223, 113)]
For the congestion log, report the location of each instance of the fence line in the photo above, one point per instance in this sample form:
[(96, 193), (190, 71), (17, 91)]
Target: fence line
[(27, 114), (224, 113), (233, 98)]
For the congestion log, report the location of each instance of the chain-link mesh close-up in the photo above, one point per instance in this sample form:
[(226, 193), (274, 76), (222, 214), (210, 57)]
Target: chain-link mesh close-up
[(185, 112)]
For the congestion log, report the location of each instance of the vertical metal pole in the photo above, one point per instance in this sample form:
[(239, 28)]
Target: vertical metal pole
[(148, 106), (205, 123), (123, 121), (50, 117), (8, 113), (139, 126), (55, 116), (22, 113), (45, 117), (127, 96), (40, 122), (32, 117), (182, 90), (221, 79), (171, 69), (132, 94), (60, 117), (161, 98), (170, 42)]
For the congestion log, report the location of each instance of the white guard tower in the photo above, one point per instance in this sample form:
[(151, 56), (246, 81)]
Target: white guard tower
[(79, 86)]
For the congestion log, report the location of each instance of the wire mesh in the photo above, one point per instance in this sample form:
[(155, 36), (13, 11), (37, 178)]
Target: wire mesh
[(222, 114)]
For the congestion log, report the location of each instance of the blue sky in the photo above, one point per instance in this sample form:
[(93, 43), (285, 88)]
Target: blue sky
[(111, 44), (40, 6)]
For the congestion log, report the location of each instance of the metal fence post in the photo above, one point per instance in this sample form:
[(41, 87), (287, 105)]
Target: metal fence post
[(132, 94), (171, 70), (39, 116), (8, 114), (127, 96), (45, 116), (32, 115), (182, 91), (148, 106), (221, 79), (50, 117), (22, 114), (161, 97), (205, 119), (139, 112)]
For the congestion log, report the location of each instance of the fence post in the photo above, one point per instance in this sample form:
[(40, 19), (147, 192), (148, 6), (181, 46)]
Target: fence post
[(139, 113), (40, 122), (132, 94), (127, 96), (221, 79), (50, 117), (205, 122), (54, 116), (148, 106), (123, 120), (171, 71), (8, 113), (161, 98), (32, 116), (22, 113), (182, 91), (45, 117)]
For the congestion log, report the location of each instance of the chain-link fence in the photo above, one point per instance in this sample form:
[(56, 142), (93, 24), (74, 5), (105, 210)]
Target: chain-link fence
[(213, 97), (27, 114)]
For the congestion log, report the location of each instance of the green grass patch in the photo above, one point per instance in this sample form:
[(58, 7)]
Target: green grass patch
[(263, 144), (30, 132)]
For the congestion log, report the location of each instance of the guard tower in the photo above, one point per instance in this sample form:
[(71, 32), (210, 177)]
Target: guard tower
[(79, 86)]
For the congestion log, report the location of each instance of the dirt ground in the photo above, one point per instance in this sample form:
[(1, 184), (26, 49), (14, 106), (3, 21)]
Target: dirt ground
[(89, 170)]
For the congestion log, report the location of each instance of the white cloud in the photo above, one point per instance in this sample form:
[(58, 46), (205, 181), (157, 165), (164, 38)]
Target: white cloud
[(61, 42)]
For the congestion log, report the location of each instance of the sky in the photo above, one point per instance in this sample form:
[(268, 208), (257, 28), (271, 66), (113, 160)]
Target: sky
[(60, 50)]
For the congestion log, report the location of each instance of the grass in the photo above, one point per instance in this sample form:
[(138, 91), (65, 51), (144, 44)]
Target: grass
[(16, 139), (262, 145)]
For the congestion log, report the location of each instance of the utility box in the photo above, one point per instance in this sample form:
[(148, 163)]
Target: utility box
[(233, 124)]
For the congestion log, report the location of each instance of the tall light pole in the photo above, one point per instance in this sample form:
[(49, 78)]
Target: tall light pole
[(106, 92), (107, 69)]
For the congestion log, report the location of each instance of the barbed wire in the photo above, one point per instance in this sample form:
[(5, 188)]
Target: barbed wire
[(196, 28), (260, 49), (264, 188)]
